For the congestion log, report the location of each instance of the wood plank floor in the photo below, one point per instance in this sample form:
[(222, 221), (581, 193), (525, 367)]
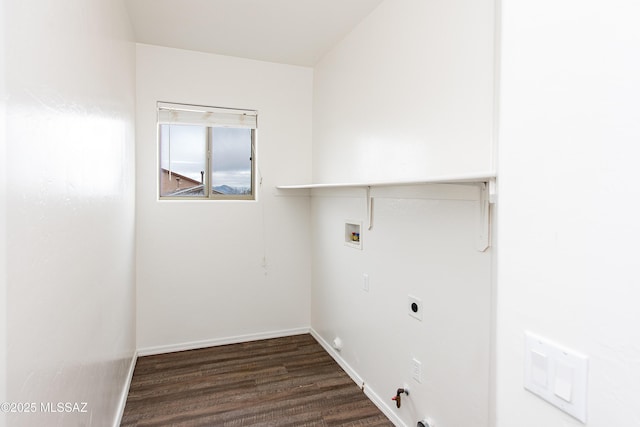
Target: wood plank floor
[(287, 381)]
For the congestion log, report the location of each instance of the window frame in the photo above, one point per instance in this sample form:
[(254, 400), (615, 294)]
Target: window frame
[(208, 193)]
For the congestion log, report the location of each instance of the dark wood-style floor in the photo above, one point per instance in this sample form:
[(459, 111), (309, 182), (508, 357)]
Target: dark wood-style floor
[(287, 381)]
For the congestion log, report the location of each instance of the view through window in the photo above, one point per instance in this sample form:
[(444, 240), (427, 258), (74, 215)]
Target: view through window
[(206, 152)]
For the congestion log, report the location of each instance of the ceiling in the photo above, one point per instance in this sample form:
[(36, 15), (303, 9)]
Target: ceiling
[(297, 32)]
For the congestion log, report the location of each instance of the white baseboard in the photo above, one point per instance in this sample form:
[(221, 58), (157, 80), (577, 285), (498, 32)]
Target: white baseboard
[(339, 360), (371, 394), (125, 390), (171, 348), (384, 407)]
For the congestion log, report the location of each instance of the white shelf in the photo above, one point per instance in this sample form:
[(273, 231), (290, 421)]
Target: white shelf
[(486, 196), (442, 179)]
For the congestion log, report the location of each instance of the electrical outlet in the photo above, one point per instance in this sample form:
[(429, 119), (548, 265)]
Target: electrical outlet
[(415, 307), (416, 370)]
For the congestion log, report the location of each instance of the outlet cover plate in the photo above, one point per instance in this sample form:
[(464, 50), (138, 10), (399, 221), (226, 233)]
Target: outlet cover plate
[(414, 307)]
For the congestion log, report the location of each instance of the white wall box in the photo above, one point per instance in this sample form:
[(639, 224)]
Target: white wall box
[(353, 234)]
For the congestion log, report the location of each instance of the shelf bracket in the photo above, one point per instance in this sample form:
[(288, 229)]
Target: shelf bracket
[(369, 208), (487, 196)]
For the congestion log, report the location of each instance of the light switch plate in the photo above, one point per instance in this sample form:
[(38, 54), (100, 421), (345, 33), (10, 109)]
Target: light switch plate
[(416, 370), (539, 369), (557, 375)]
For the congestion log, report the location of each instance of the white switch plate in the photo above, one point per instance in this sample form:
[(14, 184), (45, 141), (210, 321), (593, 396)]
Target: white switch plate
[(365, 282), (416, 370), (557, 375)]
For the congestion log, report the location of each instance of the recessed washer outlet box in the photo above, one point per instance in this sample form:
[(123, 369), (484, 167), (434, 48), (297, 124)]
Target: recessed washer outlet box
[(414, 307), (352, 234)]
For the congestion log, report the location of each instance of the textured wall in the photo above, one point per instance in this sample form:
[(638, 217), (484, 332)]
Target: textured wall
[(223, 270), (70, 207), (408, 94), (422, 244), (569, 203)]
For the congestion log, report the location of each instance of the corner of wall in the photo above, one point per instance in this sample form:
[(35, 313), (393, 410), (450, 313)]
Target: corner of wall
[(124, 394), (3, 217), (357, 379)]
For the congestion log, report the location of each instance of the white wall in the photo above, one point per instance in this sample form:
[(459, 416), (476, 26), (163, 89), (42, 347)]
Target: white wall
[(218, 271), (422, 244), (3, 220), (569, 202), (408, 94), (69, 207)]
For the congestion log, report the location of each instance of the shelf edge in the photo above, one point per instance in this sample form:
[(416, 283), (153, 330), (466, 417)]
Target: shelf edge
[(444, 179)]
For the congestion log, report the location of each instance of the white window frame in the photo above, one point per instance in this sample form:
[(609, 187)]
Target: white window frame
[(209, 117)]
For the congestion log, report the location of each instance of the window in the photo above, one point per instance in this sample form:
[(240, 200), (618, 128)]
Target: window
[(206, 152)]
